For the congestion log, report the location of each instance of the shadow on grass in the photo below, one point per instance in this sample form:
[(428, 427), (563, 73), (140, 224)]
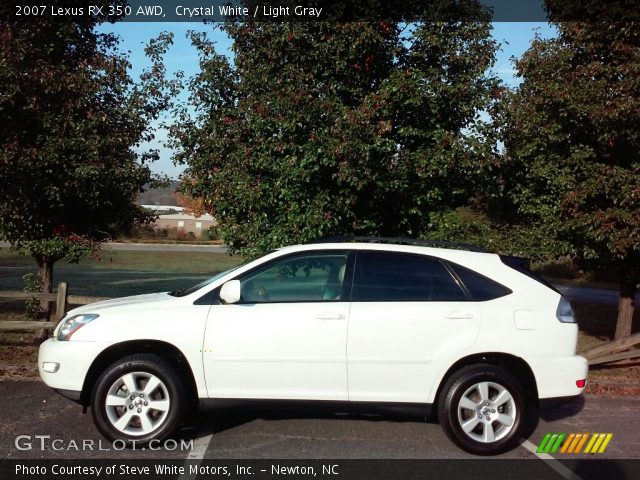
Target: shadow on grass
[(599, 319)]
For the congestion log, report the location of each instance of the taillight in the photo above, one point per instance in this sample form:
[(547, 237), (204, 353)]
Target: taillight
[(581, 383), (564, 312)]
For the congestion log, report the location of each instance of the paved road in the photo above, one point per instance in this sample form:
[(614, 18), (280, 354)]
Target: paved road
[(30, 408), (165, 247), (598, 295)]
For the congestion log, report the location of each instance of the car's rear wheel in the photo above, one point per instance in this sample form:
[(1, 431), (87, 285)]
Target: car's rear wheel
[(138, 399), (481, 409)]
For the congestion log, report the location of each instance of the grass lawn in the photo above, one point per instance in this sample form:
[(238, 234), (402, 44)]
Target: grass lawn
[(121, 273), (192, 262), (179, 262)]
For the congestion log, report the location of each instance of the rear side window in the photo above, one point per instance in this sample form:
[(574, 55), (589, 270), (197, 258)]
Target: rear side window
[(479, 287), (398, 277)]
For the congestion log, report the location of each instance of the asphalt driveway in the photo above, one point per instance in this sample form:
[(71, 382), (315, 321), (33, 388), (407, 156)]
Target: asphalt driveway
[(30, 409)]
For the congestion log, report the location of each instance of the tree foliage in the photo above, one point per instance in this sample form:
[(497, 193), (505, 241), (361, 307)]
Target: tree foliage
[(321, 129), (572, 136), (192, 206), (72, 119)]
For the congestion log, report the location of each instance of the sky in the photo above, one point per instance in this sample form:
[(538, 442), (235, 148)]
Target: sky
[(514, 39)]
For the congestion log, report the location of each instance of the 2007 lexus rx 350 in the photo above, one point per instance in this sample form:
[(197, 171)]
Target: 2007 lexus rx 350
[(471, 333)]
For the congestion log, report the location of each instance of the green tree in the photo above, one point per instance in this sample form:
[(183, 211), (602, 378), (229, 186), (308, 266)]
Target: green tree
[(72, 119), (571, 173), (321, 129)]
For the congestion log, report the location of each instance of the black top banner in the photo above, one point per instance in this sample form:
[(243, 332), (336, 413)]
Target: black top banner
[(322, 10)]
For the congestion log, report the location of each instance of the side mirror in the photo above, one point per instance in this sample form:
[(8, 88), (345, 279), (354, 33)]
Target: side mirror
[(230, 292)]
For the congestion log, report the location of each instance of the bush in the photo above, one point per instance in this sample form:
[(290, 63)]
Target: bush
[(32, 283), (563, 267), (212, 233), (148, 232)]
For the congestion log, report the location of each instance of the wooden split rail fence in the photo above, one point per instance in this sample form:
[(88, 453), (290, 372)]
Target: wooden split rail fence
[(61, 298), (614, 351)]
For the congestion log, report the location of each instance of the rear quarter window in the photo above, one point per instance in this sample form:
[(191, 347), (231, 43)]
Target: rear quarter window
[(479, 287)]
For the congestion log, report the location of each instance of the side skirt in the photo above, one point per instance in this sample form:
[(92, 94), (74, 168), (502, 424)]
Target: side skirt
[(320, 406)]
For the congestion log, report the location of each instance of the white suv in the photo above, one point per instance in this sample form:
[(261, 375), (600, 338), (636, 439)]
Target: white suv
[(365, 320)]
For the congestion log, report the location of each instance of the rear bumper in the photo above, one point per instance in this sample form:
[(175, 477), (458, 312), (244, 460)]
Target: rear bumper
[(556, 376), (551, 403)]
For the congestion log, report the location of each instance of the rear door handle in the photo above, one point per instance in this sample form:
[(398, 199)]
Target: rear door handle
[(330, 316), (458, 315)]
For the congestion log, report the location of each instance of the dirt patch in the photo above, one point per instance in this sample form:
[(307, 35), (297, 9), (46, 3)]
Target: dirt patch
[(18, 349), (622, 378), (18, 356)]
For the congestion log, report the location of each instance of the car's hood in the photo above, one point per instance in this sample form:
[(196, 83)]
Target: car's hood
[(147, 299)]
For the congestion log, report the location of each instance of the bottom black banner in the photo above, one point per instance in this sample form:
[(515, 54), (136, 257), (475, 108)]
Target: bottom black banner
[(456, 469)]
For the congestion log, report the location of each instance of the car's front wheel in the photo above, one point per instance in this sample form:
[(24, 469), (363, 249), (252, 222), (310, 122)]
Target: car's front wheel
[(482, 409), (139, 398)]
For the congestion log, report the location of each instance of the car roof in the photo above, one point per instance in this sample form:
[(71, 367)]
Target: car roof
[(388, 247)]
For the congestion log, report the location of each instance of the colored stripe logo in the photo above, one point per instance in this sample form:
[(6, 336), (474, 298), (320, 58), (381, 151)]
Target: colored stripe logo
[(574, 443)]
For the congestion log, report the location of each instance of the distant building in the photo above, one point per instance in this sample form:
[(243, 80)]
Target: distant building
[(186, 222), (163, 208)]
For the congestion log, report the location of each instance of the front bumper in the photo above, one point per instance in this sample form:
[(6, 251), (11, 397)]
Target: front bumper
[(74, 359), (556, 376), (75, 395)]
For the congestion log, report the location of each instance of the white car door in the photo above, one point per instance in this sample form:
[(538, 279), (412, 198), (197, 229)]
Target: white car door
[(408, 314), (286, 338)]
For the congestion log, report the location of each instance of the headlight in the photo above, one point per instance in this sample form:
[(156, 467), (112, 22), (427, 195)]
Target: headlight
[(72, 324)]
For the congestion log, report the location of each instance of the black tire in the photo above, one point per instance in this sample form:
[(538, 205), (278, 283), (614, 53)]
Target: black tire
[(466, 382), (164, 421)]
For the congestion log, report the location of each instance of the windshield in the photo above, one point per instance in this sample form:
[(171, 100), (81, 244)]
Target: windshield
[(181, 292)]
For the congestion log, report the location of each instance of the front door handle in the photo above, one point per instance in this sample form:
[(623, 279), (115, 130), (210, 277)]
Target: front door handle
[(330, 316), (458, 315)]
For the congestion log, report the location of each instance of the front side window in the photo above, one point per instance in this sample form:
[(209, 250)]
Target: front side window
[(303, 278), (398, 277)]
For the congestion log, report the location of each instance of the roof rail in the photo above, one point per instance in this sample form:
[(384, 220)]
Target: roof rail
[(402, 241)]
